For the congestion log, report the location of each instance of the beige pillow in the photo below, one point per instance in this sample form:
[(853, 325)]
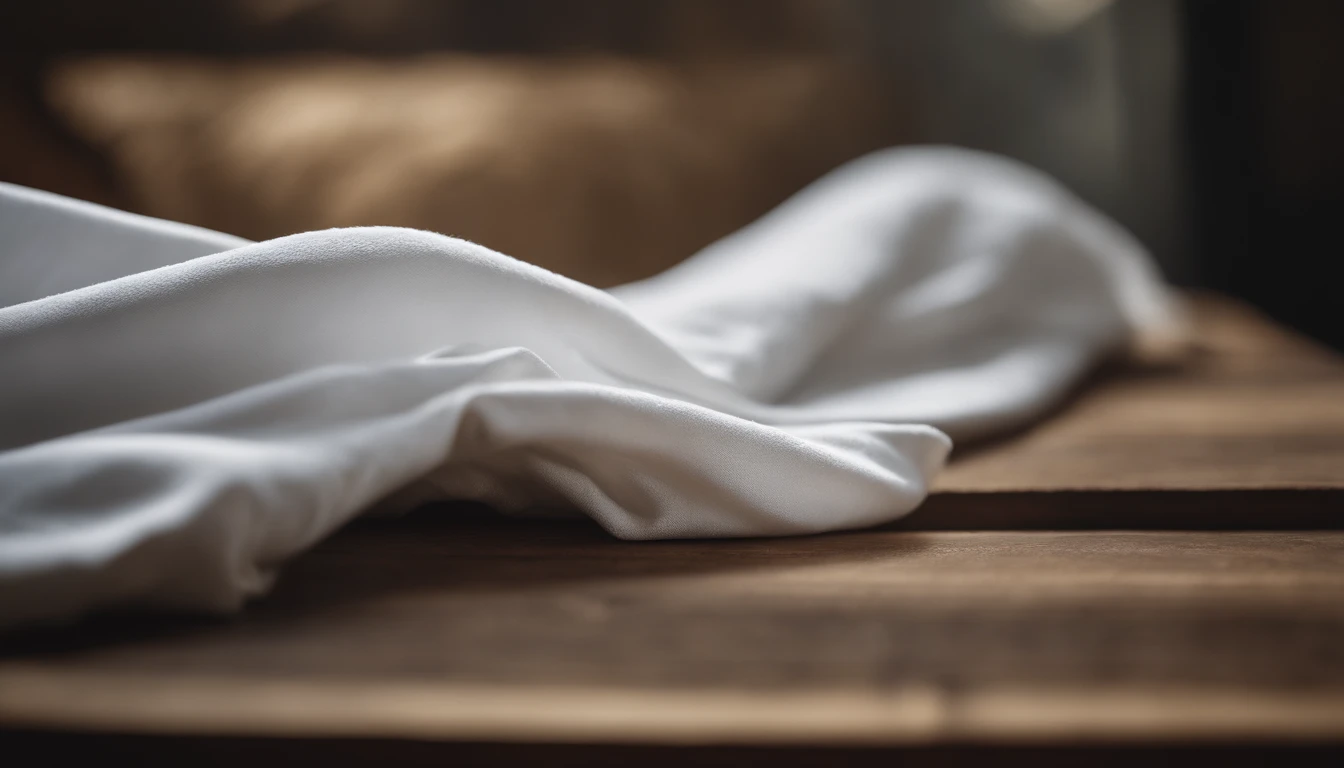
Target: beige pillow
[(605, 170)]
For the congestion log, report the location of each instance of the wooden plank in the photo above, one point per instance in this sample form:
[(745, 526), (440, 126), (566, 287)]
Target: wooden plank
[(129, 749), (458, 627), (466, 627), (1252, 407), (1246, 431)]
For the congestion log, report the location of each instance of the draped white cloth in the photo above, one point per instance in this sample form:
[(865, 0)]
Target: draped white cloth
[(181, 410)]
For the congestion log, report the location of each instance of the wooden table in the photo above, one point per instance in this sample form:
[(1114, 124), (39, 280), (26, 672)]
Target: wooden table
[(1158, 569)]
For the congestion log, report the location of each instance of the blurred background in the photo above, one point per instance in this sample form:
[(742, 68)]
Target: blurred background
[(607, 139)]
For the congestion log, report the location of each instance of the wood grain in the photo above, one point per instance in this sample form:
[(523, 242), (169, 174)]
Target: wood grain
[(478, 628), (1247, 431), (1251, 408), (458, 625)]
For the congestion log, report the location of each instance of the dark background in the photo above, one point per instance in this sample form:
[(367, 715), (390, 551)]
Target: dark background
[(1214, 129), (1264, 133)]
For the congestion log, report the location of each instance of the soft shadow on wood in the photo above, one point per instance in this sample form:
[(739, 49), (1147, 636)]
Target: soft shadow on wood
[(454, 549)]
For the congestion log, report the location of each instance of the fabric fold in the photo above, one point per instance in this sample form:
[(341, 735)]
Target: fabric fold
[(191, 411)]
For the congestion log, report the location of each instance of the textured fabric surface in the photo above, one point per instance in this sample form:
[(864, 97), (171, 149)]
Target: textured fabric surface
[(180, 411)]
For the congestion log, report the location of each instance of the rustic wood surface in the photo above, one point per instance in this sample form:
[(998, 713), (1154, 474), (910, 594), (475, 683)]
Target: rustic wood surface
[(476, 628), (457, 625), (1246, 431), (1252, 407)]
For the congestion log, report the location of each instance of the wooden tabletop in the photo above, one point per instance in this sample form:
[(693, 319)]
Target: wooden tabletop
[(1158, 564)]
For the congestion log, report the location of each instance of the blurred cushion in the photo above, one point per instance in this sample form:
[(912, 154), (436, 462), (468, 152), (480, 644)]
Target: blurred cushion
[(605, 170)]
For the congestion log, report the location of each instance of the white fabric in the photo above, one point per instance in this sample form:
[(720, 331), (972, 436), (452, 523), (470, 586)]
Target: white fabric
[(174, 424)]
